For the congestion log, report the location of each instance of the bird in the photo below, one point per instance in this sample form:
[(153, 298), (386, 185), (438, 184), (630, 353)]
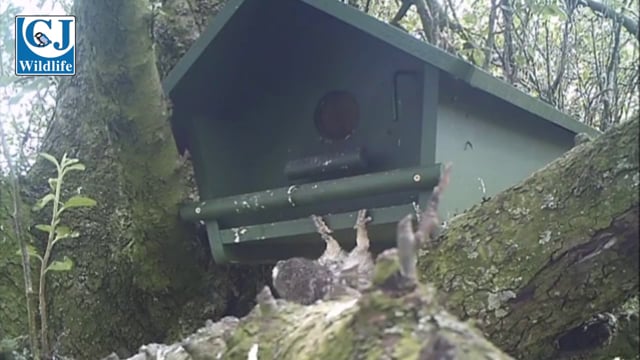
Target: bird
[(334, 274), (301, 280)]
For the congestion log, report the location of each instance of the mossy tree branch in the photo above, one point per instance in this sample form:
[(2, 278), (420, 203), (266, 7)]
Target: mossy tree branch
[(550, 253)]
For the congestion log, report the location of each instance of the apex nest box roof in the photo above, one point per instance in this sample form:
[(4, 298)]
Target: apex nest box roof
[(247, 33), (298, 107)]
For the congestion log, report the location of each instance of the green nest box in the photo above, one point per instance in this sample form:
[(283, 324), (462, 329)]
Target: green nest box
[(298, 107)]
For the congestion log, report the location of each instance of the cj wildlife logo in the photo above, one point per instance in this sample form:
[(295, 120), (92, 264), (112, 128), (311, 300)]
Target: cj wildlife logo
[(45, 45)]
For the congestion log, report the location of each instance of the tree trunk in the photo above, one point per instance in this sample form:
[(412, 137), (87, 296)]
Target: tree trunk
[(140, 274)]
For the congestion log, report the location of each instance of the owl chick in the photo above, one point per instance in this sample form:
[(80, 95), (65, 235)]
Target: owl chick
[(303, 281), (335, 273)]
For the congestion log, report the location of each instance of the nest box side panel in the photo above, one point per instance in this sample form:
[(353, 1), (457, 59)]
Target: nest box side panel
[(493, 146)]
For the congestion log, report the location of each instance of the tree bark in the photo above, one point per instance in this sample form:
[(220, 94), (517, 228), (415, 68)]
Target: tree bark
[(177, 24), (382, 324)]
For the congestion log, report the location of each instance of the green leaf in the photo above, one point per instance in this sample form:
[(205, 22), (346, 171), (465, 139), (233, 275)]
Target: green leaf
[(79, 201), (43, 202), (63, 232), (43, 227), (65, 265), (557, 11), (469, 18), (52, 183), (68, 162), (478, 56), (31, 251), (50, 158), (74, 167)]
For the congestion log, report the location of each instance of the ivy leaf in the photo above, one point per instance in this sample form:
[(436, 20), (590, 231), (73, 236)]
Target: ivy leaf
[(43, 227), (64, 265), (50, 158), (79, 201), (43, 202)]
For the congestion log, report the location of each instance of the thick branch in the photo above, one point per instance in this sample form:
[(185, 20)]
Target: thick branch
[(428, 11), (548, 254), (629, 24)]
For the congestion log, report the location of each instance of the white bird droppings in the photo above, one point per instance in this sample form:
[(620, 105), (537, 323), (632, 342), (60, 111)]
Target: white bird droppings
[(253, 352)]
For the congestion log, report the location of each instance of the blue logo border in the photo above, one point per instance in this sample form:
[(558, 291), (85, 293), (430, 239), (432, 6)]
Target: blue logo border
[(15, 44)]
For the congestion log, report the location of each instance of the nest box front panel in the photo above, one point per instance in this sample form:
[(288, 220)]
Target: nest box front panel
[(308, 88)]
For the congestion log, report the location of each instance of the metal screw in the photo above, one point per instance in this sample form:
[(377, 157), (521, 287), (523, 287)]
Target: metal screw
[(416, 178), (198, 210)]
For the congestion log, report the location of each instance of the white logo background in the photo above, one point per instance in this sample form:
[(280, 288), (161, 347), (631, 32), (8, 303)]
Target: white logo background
[(54, 34)]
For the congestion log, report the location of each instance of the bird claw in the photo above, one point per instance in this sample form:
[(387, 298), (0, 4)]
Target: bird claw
[(362, 235), (333, 251), (362, 219), (321, 226)]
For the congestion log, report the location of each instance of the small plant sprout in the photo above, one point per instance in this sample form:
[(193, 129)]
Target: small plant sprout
[(55, 231)]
